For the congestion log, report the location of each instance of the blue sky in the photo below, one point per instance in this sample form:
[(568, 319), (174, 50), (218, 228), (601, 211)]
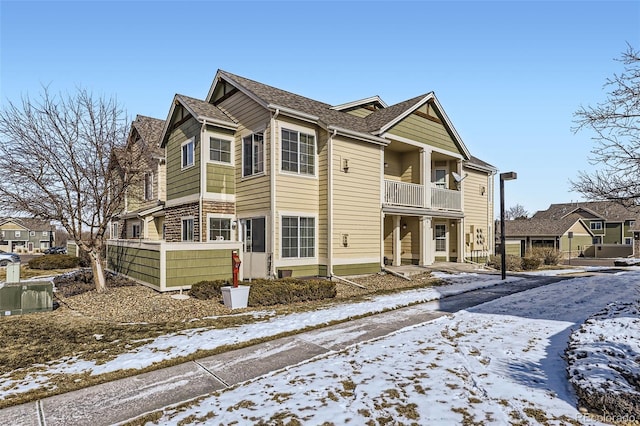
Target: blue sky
[(509, 74)]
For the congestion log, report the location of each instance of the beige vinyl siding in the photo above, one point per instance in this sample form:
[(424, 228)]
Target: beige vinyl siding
[(323, 151), (388, 237), (252, 192), (426, 131), (220, 179), (478, 209), (356, 199), (187, 267), (185, 182), (161, 183)]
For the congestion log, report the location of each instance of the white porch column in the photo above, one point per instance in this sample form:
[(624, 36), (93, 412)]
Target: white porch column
[(426, 235), (396, 241), (460, 225), (425, 167)]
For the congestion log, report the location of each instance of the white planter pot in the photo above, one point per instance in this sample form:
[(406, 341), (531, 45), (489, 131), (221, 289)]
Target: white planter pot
[(235, 297)]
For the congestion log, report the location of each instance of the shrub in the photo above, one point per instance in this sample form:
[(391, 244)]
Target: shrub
[(547, 255), (205, 290), (271, 292), (531, 263), (513, 263), (54, 261)]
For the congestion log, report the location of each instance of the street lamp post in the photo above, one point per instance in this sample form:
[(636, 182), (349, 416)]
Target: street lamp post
[(503, 252)]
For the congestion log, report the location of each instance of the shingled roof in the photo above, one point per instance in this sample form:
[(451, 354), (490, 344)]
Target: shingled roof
[(203, 110), (539, 227), (28, 223), (150, 130), (606, 210)]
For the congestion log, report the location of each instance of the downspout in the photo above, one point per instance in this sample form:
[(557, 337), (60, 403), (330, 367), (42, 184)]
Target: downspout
[(330, 204), (272, 182), (203, 179)]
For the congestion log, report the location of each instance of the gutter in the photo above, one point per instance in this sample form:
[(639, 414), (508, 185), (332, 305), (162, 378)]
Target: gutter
[(358, 135), (293, 113)]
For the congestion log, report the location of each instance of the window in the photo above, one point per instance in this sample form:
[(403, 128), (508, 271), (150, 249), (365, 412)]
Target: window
[(220, 150), (187, 153), (17, 233), (596, 226), (298, 152), (632, 223), (32, 233), (45, 233), (135, 230), (440, 178), (148, 186), (596, 240), (219, 229), (114, 230), (298, 236), (254, 235), (628, 240), (441, 237), (187, 229), (253, 154)]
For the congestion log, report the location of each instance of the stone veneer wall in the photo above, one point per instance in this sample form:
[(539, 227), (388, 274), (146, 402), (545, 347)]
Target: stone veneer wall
[(173, 221), (215, 207)]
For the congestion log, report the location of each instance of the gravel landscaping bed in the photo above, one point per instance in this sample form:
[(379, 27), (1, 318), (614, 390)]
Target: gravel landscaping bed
[(140, 304)]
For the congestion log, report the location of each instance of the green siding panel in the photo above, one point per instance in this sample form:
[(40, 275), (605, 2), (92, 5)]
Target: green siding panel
[(137, 263), (356, 269), (221, 179), (185, 268), (181, 183), (613, 233), (302, 270), (426, 131)]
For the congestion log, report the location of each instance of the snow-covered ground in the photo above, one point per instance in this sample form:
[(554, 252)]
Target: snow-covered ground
[(498, 363)]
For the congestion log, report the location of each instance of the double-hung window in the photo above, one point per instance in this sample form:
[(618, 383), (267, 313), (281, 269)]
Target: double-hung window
[(135, 230), (187, 229), (219, 229), (148, 186), (253, 154), (188, 153), (220, 150), (596, 226), (298, 236), (298, 152)]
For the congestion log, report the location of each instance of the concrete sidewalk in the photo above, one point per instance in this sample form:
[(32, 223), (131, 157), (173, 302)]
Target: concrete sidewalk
[(121, 400)]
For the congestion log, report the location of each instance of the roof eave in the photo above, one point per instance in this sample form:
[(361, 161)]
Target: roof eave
[(358, 135), (293, 113)]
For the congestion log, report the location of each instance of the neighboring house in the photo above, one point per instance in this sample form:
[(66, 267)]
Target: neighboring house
[(24, 235), (305, 188), (599, 229), (142, 215)]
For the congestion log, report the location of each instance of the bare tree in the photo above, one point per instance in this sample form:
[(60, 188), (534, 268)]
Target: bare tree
[(57, 164), (616, 124), (516, 212)]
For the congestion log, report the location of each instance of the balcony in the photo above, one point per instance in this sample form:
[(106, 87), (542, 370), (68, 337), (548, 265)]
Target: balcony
[(413, 195)]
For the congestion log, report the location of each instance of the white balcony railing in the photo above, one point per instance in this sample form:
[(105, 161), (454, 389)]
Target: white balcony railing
[(412, 195)]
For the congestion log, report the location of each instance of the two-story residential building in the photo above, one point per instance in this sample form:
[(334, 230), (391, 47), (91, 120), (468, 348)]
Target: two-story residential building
[(26, 235), (142, 215), (597, 229), (306, 188)]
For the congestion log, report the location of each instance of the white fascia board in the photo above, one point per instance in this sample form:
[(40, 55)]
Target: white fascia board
[(360, 102), (220, 75), (405, 114), (165, 128), (490, 170), (217, 122), (358, 135)]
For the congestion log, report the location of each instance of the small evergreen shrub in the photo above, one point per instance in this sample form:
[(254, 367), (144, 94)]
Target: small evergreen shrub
[(54, 261), (512, 262), (81, 281), (531, 263), (205, 290)]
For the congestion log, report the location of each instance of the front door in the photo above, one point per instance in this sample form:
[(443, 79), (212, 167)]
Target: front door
[(254, 264)]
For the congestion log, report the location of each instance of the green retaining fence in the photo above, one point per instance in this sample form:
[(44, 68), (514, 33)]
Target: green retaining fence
[(25, 298)]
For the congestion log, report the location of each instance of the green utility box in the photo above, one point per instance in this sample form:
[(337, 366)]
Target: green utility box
[(26, 297)]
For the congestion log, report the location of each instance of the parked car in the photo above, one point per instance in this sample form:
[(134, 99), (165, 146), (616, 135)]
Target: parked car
[(6, 258), (56, 250)]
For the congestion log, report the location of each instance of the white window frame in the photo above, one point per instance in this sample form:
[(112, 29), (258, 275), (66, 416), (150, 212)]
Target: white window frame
[(115, 230), (223, 139), (444, 238), (32, 233), (254, 169), (17, 233), (45, 233), (445, 183), (305, 131), (232, 228), (187, 164), (596, 228), (147, 186), (299, 216), (182, 229)]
